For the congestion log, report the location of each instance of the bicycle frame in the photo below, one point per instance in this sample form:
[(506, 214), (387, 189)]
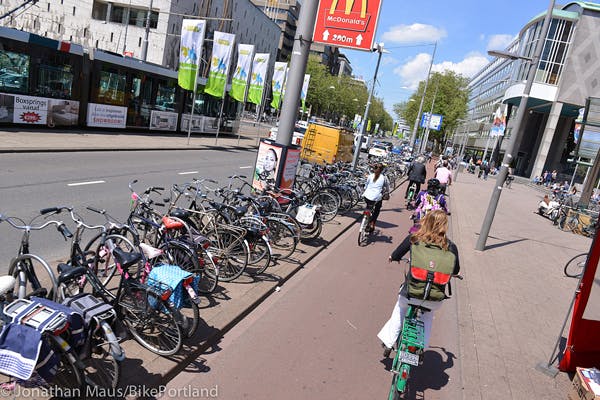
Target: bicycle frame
[(410, 346)]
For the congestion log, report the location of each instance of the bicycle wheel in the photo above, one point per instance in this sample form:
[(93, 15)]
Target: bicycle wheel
[(34, 277), (188, 317), (259, 258), (362, 232), (103, 264), (69, 377), (209, 277), (575, 266), (101, 368), (282, 237), (313, 230), (151, 321), (329, 205), (231, 253), (394, 393)]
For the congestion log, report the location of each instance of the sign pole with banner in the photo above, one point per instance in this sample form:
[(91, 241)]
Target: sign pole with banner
[(277, 83), (219, 70), (241, 75), (192, 38)]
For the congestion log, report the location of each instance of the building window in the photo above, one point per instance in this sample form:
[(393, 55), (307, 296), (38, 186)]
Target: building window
[(140, 42), (55, 81), (117, 14), (15, 75), (48, 6), (73, 10), (111, 36), (99, 11)]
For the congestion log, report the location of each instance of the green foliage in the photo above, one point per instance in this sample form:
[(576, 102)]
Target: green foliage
[(339, 98), (451, 96)]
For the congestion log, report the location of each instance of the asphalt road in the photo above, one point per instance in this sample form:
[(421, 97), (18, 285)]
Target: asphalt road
[(32, 181), (316, 337)]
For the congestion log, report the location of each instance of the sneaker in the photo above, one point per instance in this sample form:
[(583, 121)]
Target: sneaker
[(386, 350)]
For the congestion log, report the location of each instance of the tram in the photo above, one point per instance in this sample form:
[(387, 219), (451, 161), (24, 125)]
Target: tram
[(45, 82)]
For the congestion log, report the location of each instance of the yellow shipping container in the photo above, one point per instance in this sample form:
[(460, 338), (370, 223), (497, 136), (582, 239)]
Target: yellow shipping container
[(325, 144)]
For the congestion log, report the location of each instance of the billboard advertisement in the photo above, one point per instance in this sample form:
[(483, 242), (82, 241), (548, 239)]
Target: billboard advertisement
[(163, 120), (266, 168), (105, 116)]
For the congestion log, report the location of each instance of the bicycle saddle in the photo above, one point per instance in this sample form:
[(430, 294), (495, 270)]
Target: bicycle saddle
[(7, 283), (68, 272), (126, 259)]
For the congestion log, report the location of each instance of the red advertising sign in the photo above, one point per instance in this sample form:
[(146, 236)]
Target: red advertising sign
[(347, 23)]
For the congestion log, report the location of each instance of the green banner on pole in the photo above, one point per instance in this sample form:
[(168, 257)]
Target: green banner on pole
[(257, 81), (192, 36), (277, 83), (219, 65), (239, 81)]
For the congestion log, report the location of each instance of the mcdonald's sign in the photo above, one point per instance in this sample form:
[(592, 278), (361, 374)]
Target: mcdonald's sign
[(347, 23)]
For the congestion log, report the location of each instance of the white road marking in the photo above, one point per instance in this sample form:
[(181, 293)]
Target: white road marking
[(187, 173), (349, 323), (246, 167), (85, 183)]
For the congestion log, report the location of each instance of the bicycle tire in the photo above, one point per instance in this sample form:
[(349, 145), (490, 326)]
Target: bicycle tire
[(209, 273), (329, 205), (102, 370), (21, 268), (150, 320), (575, 266), (312, 231), (394, 393), (259, 258), (188, 317), (282, 237), (362, 232), (231, 252), (69, 377)]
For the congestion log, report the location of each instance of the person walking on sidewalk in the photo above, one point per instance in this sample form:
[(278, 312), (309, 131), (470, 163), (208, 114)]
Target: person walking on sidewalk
[(416, 174), (376, 185), (429, 240)]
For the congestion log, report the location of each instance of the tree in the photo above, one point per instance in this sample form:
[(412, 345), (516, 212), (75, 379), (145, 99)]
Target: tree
[(451, 96), (339, 98)]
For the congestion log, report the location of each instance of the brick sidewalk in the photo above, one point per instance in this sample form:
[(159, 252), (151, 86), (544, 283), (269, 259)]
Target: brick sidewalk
[(514, 297)]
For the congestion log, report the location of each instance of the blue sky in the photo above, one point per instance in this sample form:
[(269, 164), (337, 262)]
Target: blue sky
[(463, 29)]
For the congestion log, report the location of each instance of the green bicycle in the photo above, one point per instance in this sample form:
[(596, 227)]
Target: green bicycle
[(410, 345)]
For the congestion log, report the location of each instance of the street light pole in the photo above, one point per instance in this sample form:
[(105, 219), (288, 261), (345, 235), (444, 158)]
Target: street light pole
[(379, 49), (491, 211), (413, 135)]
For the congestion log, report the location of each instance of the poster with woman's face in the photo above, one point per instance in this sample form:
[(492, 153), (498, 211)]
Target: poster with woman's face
[(267, 165)]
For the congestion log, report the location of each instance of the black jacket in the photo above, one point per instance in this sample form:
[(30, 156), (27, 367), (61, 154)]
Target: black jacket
[(417, 172)]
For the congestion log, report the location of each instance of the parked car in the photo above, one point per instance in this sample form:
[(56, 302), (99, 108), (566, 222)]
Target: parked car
[(378, 150)]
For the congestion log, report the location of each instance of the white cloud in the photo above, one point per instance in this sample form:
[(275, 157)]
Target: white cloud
[(499, 42), (387, 60), (413, 34), (415, 70)]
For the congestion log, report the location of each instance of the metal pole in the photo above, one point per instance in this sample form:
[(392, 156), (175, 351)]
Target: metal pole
[(299, 58), (413, 135), (491, 211), (193, 101), (363, 127), (423, 146), (147, 33)]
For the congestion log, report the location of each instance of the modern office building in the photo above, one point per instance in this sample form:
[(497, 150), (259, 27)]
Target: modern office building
[(567, 74), (120, 27), (285, 14)]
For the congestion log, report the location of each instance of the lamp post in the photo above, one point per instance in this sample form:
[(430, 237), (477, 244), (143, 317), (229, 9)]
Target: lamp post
[(502, 174), (413, 135), (378, 48)]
